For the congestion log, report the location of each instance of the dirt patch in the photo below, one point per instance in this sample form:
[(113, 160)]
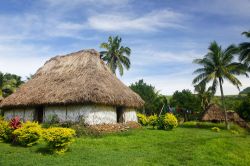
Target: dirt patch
[(111, 128)]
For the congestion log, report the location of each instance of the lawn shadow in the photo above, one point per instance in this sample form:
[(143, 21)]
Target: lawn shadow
[(44, 151)]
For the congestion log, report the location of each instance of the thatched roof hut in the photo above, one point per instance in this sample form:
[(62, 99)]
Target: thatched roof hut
[(214, 113), (77, 79)]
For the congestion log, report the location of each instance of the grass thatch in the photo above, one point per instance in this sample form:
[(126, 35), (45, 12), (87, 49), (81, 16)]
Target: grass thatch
[(76, 78)]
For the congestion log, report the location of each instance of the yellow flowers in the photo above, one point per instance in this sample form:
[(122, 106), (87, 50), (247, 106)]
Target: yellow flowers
[(170, 121), (58, 138), (167, 121), (142, 119), (28, 134), (216, 129), (5, 131)]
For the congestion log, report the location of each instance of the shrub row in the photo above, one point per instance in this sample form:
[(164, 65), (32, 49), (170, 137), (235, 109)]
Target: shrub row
[(167, 121), (29, 133)]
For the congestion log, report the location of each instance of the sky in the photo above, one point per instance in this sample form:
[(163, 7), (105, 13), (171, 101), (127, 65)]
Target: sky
[(164, 35)]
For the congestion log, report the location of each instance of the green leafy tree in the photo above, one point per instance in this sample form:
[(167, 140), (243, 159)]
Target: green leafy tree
[(217, 66), (245, 50), (244, 108), (115, 55), (9, 83), (186, 104), (153, 100)]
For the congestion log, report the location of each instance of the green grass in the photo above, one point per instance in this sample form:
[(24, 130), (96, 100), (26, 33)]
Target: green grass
[(182, 146)]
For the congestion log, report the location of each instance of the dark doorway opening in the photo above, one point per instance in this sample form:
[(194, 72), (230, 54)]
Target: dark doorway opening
[(119, 113), (38, 115)]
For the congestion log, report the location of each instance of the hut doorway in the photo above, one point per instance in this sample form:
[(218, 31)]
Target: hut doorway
[(38, 114), (119, 114)]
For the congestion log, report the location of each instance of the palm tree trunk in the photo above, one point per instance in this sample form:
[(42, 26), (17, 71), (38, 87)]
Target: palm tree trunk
[(223, 104)]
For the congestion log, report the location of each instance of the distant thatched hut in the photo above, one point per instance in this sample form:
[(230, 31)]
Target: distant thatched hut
[(214, 113), (75, 86)]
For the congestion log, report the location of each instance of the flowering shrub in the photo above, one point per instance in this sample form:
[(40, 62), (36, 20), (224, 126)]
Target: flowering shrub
[(58, 138), (28, 134), (170, 121), (152, 120), (142, 119), (216, 129), (5, 131), (15, 123)]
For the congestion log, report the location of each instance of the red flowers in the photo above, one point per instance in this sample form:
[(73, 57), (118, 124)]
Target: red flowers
[(15, 123)]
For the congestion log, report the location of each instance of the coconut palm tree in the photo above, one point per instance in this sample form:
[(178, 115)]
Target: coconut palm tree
[(205, 95), (115, 56), (217, 66), (245, 50)]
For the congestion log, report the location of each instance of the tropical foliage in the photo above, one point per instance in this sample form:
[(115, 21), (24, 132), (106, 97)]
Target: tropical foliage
[(244, 108), (245, 50), (187, 105), (204, 95), (9, 83), (217, 66), (116, 55), (153, 100)]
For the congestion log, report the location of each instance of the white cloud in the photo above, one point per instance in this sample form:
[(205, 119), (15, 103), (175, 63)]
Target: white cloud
[(128, 22), (23, 59), (144, 57)]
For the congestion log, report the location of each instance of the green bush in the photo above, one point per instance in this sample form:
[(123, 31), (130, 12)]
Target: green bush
[(160, 123), (167, 121), (152, 120), (28, 134), (215, 129), (170, 121), (142, 119), (58, 138), (5, 131)]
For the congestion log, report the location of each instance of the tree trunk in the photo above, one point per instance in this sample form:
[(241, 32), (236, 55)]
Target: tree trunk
[(223, 104)]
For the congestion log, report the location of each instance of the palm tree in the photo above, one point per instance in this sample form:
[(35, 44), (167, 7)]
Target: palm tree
[(205, 95), (217, 66), (245, 50), (115, 56)]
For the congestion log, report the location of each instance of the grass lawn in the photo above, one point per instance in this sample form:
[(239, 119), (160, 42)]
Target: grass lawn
[(182, 146)]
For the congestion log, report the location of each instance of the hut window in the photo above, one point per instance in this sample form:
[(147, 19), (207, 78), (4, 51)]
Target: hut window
[(119, 113), (38, 114)]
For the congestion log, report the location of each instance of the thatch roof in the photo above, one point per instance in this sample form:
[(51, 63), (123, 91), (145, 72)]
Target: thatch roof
[(76, 78), (216, 113), (213, 113)]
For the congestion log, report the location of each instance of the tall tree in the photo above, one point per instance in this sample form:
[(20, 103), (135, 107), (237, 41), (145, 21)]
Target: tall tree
[(245, 50), (217, 66), (204, 95), (115, 55)]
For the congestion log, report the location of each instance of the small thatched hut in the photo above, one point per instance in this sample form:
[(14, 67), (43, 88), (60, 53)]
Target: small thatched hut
[(214, 113), (73, 87)]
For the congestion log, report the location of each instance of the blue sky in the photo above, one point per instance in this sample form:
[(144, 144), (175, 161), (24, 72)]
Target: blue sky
[(164, 35)]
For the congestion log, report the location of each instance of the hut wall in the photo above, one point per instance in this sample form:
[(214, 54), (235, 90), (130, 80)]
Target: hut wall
[(24, 114), (91, 114), (130, 115)]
